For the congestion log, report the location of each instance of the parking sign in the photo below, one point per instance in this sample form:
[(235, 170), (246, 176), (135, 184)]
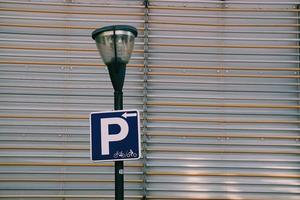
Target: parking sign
[(115, 135)]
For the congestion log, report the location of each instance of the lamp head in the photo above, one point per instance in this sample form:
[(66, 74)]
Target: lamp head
[(115, 44)]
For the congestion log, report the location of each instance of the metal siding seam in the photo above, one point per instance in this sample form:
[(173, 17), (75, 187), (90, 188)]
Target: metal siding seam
[(225, 31), (76, 196), (298, 72), (222, 2), (65, 12), (85, 64), (224, 75), (55, 26), (228, 46), (145, 96), (225, 68), (220, 16), (162, 103), (72, 4), (221, 9), (223, 25)]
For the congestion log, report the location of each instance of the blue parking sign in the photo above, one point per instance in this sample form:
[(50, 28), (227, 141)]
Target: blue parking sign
[(115, 135)]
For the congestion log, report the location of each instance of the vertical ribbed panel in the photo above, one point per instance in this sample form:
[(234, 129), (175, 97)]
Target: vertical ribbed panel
[(51, 79), (223, 112)]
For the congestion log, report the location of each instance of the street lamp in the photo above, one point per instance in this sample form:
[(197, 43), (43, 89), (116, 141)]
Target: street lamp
[(115, 44)]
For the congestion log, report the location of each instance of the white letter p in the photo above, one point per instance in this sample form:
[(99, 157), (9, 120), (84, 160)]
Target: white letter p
[(106, 138)]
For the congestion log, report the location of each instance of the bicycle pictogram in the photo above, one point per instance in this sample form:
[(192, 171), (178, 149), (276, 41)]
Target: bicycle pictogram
[(131, 154), (119, 154), (128, 154)]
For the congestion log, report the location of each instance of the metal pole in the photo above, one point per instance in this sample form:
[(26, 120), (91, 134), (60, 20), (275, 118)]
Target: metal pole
[(119, 165)]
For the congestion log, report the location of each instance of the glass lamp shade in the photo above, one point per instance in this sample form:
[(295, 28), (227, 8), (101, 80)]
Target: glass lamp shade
[(115, 43)]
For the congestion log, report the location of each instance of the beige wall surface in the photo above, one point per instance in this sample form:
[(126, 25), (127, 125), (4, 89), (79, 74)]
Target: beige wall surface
[(216, 82)]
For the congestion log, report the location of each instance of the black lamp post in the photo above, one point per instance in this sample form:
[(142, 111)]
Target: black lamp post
[(115, 44)]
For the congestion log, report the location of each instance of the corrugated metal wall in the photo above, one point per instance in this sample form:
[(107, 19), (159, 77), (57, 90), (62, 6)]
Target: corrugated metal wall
[(51, 79), (223, 118), (217, 83)]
